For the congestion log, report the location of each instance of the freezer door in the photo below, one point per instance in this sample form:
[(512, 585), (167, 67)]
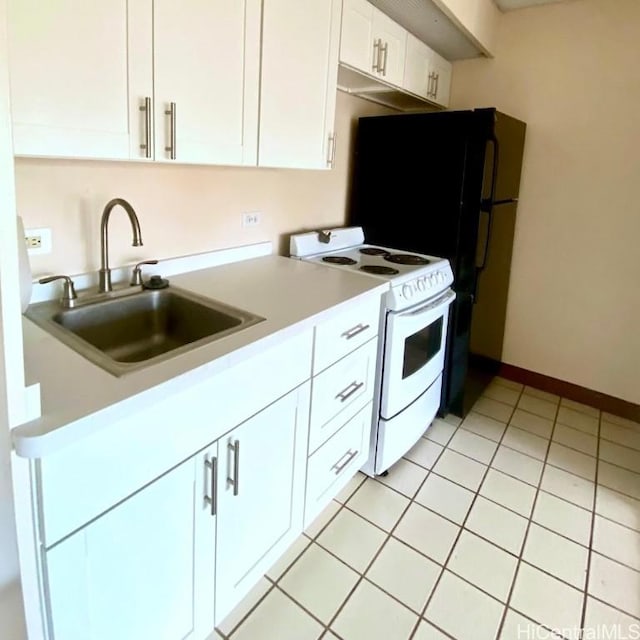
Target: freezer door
[(409, 180)]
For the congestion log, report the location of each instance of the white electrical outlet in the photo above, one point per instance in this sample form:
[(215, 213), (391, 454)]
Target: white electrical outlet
[(251, 218), (38, 241)]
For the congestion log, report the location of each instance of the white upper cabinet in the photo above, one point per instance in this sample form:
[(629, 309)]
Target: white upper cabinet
[(392, 39), (69, 68), (440, 71), (300, 43), (426, 74), (416, 69), (372, 42), (206, 62), (96, 79)]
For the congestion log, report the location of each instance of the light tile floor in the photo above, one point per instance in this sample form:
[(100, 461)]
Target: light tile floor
[(521, 520)]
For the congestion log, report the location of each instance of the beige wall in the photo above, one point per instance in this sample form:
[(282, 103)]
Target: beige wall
[(570, 71), (182, 209)]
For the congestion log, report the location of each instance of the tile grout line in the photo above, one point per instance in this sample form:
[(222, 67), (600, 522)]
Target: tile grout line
[(461, 529), (583, 614), (526, 535), (326, 627), (383, 545), (274, 583)]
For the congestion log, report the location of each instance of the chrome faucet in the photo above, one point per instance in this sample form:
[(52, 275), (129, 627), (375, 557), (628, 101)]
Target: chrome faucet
[(105, 271)]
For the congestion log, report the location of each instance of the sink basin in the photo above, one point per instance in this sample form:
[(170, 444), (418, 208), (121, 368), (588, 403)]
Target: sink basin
[(123, 334)]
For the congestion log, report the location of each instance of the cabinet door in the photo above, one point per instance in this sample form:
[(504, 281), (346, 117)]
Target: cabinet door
[(260, 496), (441, 70), (416, 67), (356, 40), (142, 570), (300, 43), (206, 62), (394, 41), (69, 65)]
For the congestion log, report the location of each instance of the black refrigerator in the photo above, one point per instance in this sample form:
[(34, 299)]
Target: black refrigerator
[(446, 184)]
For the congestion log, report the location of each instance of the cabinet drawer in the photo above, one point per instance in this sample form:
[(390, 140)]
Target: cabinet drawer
[(331, 466), (339, 391), (346, 332)]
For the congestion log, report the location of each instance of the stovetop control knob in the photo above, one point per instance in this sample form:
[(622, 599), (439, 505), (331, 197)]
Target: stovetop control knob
[(422, 284), (407, 291)]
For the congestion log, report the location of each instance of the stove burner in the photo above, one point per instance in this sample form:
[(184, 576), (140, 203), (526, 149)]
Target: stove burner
[(374, 251), (406, 258), (339, 260), (379, 269)]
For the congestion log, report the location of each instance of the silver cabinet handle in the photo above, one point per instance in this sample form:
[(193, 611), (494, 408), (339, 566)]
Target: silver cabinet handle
[(333, 150), (213, 498), (432, 77), (354, 331), (233, 481), (330, 150), (376, 55), (348, 391), (146, 145), (344, 461), (385, 50), (171, 112), (437, 79)]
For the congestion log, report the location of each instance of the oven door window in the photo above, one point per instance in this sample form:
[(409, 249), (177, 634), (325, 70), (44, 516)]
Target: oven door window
[(421, 347)]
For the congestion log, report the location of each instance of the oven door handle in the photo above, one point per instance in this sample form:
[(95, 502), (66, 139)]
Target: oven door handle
[(447, 298)]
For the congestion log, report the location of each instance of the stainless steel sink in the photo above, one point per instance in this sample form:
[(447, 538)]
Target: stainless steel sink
[(124, 334)]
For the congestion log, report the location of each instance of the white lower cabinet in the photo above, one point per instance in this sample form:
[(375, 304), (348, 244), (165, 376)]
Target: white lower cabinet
[(169, 551), (153, 566), (260, 495), (335, 463), (144, 569)]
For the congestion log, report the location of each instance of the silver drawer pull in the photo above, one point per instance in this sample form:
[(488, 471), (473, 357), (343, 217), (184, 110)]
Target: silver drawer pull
[(344, 461), (354, 331), (234, 480), (213, 499), (347, 392)]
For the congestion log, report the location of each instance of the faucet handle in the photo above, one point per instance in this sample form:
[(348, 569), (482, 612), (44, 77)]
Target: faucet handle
[(69, 295), (136, 276)]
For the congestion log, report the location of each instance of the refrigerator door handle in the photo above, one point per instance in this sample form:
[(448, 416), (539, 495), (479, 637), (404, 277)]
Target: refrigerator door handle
[(488, 203)]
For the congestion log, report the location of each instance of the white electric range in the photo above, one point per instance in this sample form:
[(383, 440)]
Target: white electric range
[(413, 332)]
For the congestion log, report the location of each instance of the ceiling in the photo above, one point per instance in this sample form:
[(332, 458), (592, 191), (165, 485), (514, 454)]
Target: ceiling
[(430, 24)]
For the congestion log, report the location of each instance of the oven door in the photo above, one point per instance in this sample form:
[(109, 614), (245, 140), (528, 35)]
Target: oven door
[(414, 351)]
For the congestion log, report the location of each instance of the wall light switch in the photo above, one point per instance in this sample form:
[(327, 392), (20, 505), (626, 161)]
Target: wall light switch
[(251, 218)]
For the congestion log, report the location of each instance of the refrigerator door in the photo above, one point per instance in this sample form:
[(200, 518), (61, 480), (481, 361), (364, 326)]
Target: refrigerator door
[(409, 183), (501, 185)]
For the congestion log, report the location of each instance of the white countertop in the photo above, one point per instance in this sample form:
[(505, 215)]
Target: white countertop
[(78, 397)]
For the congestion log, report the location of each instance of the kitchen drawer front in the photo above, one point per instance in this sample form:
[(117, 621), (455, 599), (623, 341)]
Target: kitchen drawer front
[(336, 462), (348, 383), (338, 336)]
